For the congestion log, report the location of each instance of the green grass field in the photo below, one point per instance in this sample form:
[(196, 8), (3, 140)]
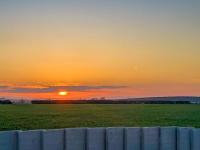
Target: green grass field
[(91, 115)]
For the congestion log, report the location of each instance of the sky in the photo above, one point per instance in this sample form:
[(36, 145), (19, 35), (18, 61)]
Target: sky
[(92, 48)]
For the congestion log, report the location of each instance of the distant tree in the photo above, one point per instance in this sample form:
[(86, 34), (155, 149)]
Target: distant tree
[(5, 102)]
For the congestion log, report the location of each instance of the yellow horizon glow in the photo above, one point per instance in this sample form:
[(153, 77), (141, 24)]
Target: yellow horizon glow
[(63, 93)]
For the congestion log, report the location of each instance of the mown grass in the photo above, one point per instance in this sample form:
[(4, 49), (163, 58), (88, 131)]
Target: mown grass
[(16, 117)]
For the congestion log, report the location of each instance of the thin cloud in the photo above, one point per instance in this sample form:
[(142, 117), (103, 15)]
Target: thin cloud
[(56, 88), (3, 86)]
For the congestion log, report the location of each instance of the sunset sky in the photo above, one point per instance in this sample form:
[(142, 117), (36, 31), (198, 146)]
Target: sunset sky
[(99, 48)]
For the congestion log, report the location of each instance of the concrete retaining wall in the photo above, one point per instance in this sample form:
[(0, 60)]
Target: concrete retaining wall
[(148, 138)]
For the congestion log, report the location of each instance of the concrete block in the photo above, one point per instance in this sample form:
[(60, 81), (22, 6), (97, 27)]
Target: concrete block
[(168, 138), (132, 139), (53, 139), (183, 138), (75, 139), (96, 139), (29, 140), (115, 138), (195, 139), (151, 138), (8, 140)]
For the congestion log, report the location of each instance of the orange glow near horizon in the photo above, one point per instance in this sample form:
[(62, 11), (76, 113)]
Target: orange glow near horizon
[(108, 93)]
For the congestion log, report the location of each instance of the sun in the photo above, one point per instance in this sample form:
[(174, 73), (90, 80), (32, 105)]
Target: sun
[(63, 93)]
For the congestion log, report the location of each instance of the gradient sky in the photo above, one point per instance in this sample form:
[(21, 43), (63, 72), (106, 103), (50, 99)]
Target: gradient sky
[(94, 48)]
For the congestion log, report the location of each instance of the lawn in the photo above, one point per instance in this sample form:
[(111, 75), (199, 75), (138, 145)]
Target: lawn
[(14, 117)]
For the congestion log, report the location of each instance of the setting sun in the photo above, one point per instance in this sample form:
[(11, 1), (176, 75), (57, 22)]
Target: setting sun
[(62, 93)]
